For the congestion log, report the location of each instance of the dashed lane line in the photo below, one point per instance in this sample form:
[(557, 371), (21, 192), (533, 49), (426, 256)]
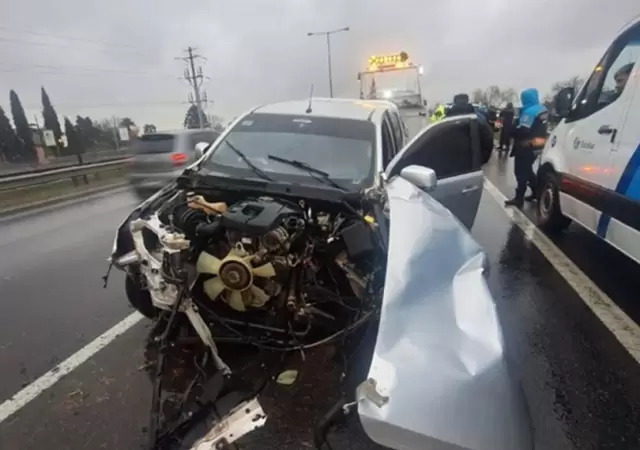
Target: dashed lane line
[(622, 327), (19, 400)]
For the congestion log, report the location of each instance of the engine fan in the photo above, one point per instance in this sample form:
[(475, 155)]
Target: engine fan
[(234, 278)]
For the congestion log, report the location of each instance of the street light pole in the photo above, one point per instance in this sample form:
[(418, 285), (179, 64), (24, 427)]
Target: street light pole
[(327, 35)]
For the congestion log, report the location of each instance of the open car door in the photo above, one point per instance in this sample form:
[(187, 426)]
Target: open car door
[(451, 147)]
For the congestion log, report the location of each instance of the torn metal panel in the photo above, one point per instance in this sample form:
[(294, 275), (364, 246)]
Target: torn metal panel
[(439, 355)]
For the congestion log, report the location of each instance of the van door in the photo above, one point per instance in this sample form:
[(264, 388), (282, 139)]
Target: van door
[(451, 147), (620, 221), (591, 137)]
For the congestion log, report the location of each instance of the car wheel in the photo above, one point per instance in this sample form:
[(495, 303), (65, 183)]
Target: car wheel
[(139, 298), (549, 214)]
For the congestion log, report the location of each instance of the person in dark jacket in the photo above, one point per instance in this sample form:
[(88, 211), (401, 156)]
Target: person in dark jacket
[(462, 106), (529, 135), (506, 117)]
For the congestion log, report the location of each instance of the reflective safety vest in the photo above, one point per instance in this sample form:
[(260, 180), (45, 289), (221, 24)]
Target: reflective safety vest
[(438, 114)]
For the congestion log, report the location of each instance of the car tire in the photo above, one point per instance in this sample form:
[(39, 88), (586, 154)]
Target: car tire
[(548, 213), (139, 298)]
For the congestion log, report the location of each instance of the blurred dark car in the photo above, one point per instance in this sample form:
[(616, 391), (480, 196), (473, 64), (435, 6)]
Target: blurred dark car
[(158, 158)]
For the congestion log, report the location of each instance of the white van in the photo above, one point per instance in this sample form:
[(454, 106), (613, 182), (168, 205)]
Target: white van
[(589, 170)]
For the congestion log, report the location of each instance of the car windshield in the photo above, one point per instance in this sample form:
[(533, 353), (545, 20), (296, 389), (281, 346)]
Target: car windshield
[(343, 148)]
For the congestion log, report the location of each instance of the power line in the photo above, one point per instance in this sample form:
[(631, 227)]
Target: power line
[(68, 38), (195, 79), (109, 105), (51, 69), (51, 44)]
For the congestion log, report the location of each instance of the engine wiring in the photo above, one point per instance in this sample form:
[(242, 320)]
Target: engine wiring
[(317, 255)]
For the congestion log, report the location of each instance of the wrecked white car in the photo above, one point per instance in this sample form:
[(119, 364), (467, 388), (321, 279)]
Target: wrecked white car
[(265, 247)]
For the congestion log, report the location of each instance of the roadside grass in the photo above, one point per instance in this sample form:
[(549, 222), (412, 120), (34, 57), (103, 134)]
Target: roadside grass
[(23, 196)]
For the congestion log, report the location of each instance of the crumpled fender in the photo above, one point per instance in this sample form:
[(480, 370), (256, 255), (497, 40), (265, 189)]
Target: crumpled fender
[(439, 360)]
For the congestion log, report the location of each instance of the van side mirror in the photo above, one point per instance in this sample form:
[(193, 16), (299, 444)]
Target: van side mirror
[(423, 177), (200, 148), (563, 101)]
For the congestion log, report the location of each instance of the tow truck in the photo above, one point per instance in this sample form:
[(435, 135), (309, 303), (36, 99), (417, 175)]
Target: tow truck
[(395, 78)]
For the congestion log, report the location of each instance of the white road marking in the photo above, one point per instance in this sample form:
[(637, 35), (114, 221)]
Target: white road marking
[(47, 380), (622, 327)]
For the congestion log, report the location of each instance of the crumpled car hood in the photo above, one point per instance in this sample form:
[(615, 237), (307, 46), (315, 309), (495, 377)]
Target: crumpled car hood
[(439, 354)]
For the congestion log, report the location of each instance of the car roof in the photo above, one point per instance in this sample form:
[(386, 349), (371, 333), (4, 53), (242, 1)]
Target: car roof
[(338, 108)]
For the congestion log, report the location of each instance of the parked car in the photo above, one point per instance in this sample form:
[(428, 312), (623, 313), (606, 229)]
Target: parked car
[(158, 158)]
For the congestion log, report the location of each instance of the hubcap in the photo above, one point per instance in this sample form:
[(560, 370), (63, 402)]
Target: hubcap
[(546, 201)]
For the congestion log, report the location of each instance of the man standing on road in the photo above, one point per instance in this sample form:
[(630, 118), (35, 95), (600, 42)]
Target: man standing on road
[(462, 106), (529, 136), (506, 117)]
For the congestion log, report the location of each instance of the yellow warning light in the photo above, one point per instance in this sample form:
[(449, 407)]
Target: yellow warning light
[(387, 61)]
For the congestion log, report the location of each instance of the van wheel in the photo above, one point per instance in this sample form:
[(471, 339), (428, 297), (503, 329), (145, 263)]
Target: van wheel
[(549, 215)]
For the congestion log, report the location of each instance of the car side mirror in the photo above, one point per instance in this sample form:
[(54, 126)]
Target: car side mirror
[(423, 177), (563, 101), (200, 148)]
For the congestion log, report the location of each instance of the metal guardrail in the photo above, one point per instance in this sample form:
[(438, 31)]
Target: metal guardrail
[(89, 157), (76, 173)]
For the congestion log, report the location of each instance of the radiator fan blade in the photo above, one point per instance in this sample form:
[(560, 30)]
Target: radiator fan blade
[(213, 287), (258, 297), (208, 264), (264, 271), (234, 298)]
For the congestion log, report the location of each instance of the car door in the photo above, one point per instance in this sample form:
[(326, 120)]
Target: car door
[(591, 138), (399, 128), (390, 146), (451, 147)]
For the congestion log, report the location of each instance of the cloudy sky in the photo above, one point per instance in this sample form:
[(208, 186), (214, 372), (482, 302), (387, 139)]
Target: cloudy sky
[(117, 58)]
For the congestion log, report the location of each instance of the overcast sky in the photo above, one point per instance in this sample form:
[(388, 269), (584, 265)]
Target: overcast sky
[(117, 57)]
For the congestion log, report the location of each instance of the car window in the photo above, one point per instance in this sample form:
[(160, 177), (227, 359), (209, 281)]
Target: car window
[(388, 141), (343, 148), (154, 143), (203, 136), (609, 79), (447, 149)]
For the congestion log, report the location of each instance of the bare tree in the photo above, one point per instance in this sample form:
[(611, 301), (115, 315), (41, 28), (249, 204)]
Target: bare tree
[(509, 95), (493, 96), (479, 96)]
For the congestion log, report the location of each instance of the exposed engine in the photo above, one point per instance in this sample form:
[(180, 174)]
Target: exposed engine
[(259, 255), (273, 273)]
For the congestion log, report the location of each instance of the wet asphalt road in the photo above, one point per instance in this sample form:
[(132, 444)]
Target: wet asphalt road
[(583, 388)]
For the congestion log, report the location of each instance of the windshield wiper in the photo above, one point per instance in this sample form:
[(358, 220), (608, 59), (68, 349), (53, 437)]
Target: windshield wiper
[(310, 169), (248, 162)]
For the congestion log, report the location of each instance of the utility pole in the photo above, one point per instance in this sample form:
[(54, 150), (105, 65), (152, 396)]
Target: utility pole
[(327, 35), (195, 79), (116, 137)]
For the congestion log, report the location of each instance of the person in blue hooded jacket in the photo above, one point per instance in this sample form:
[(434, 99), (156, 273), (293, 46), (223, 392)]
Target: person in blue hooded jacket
[(529, 135)]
